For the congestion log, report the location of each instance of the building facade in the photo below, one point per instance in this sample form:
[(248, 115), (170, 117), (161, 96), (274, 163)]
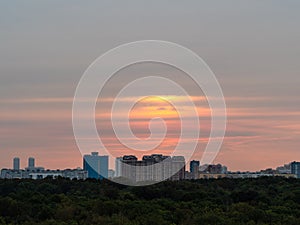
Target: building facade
[(95, 165), (295, 169), (194, 169), (31, 163), (16, 163), (42, 173), (155, 167), (118, 167)]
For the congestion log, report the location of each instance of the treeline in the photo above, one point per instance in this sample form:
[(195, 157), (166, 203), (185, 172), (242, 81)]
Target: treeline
[(272, 200)]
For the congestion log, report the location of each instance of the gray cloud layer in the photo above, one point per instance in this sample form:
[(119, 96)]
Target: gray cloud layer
[(45, 46)]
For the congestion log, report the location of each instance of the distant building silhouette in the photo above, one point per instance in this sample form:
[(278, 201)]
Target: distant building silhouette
[(295, 168), (16, 163), (193, 165), (95, 165), (285, 169), (31, 163), (155, 167), (33, 172), (194, 169), (118, 167), (213, 169), (32, 167), (178, 166)]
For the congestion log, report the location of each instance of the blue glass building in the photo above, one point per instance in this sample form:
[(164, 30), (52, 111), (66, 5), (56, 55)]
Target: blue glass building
[(95, 165)]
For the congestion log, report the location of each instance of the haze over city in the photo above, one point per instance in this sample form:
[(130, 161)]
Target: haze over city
[(255, 59)]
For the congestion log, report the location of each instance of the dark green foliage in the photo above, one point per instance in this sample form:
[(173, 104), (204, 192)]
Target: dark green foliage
[(272, 200)]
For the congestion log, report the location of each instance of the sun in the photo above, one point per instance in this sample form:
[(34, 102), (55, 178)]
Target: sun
[(153, 107)]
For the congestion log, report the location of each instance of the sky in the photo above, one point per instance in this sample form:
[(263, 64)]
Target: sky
[(251, 46)]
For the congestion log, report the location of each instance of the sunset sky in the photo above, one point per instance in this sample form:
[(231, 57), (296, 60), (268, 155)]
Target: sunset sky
[(251, 46)]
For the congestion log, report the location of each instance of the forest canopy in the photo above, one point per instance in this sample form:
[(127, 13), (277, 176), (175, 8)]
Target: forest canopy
[(267, 200)]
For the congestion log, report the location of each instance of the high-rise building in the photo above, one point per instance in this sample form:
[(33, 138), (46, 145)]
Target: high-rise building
[(31, 164), (118, 167), (155, 167), (295, 168), (16, 163), (128, 167), (95, 165), (194, 165), (178, 168), (194, 169)]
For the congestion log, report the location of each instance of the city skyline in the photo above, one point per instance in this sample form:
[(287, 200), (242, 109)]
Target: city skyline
[(188, 163), (150, 169)]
